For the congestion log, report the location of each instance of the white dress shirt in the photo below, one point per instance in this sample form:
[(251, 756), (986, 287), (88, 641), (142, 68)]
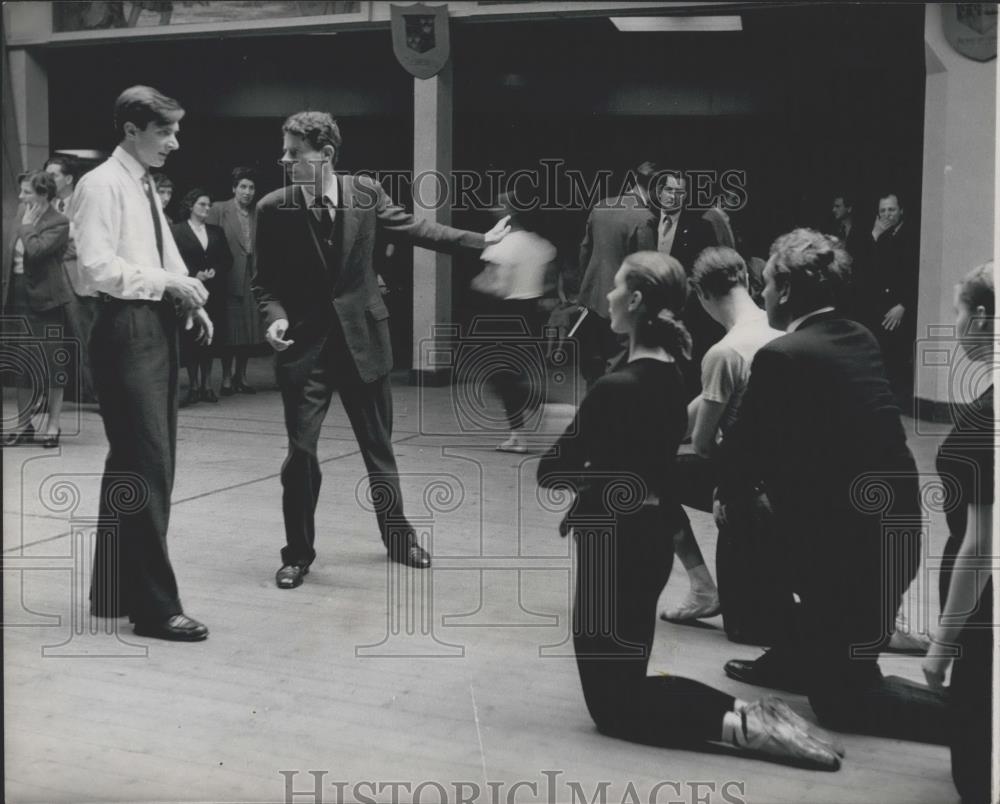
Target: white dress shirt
[(200, 232), (329, 192), (666, 232), (794, 325), (115, 236)]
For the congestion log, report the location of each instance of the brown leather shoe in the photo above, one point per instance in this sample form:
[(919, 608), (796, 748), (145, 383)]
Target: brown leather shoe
[(179, 628)]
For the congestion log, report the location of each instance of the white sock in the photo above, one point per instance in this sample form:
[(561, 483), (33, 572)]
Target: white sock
[(701, 580), (733, 732)]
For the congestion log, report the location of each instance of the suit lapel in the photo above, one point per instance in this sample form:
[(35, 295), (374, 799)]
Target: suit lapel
[(349, 223), (231, 223)]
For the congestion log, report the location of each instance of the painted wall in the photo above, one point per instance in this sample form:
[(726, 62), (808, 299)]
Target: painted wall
[(958, 203)]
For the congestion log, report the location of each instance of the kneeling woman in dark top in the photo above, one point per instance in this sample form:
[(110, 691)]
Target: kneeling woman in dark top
[(618, 456)]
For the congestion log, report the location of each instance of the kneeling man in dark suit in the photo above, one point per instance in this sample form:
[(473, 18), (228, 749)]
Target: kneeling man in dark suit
[(820, 427), (318, 292)]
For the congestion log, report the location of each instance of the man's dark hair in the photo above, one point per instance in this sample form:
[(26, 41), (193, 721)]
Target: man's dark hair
[(847, 198), (143, 105), (815, 266), (162, 180), (189, 200), (67, 164), (316, 128), (241, 173), (717, 270), (41, 183), (893, 194)]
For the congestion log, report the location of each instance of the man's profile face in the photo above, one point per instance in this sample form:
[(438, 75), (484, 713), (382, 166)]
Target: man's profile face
[(771, 296), (154, 143), (671, 193), (889, 211), (303, 161), (165, 193), (64, 183), (840, 209)]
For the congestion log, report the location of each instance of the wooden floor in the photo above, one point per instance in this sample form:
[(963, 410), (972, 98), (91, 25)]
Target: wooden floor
[(369, 674)]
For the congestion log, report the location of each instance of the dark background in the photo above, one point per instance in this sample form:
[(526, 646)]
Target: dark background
[(808, 100)]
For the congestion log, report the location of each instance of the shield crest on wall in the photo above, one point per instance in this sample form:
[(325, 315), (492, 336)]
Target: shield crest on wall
[(420, 38), (971, 28)]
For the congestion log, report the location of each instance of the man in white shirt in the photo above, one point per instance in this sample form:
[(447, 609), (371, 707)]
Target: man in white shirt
[(719, 277), (125, 252)]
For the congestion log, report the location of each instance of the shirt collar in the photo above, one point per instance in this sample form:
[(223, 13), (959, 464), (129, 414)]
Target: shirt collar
[(329, 192), (798, 321), (130, 163)]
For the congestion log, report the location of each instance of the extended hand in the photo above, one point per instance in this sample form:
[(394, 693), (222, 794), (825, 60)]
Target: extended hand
[(198, 319), (893, 318), (203, 275), (188, 290), (498, 232), (275, 335)]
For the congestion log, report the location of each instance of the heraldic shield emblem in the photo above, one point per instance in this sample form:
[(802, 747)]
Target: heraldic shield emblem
[(420, 38), (971, 28)]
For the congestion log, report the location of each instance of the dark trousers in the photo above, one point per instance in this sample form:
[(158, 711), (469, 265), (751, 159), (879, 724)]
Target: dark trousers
[(520, 381), (369, 409), (851, 574), (621, 572), (134, 359), (81, 315)]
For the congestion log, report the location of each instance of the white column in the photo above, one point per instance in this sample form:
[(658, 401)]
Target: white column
[(30, 94), (957, 205), (432, 152)]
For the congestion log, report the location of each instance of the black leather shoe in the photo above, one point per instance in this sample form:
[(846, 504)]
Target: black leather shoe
[(179, 628), (411, 554), (243, 388), (290, 576), (227, 390), (208, 395), (750, 672)]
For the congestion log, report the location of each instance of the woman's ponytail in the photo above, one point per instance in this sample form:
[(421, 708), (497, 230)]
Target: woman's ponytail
[(665, 330)]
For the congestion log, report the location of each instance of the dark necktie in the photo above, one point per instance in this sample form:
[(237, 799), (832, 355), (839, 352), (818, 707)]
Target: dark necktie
[(328, 214), (147, 185)]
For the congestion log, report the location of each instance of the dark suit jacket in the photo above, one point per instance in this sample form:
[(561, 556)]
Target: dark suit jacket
[(889, 276), (226, 216), (293, 280), (694, 233), (818, 416), (616, 228), (45, 245), (197, 259)]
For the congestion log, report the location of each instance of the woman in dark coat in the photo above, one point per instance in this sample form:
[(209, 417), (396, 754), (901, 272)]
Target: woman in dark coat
[(37, 290), (242, 332), (207, 256)]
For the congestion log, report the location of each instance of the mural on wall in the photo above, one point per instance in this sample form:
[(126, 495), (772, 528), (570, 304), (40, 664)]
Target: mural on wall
[(103, 14)]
